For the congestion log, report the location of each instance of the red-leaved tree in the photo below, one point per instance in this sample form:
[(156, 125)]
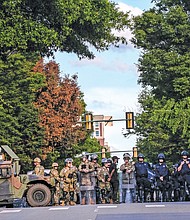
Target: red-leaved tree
[(60, 106)]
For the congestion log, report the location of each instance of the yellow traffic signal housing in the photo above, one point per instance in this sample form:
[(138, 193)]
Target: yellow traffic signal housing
[(89, 121), (129, 120), (103, 153), (135, 153)]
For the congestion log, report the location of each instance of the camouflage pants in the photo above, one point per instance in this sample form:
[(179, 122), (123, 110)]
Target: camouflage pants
[(56, 194), (105, 192), (68, 193)]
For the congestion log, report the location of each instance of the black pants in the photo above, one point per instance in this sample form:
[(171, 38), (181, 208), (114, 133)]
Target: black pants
[(115, 189), (143, 182)]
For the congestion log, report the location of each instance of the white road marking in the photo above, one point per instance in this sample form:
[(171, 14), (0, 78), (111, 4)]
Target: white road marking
[(10, 211), (57, 209), (155, 206), (107, 207)]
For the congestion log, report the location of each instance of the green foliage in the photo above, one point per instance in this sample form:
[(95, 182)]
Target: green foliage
[(163, 35), (45, 26), (90, 145), (18, 117)]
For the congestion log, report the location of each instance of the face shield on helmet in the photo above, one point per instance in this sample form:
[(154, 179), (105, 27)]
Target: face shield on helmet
[(140, 156), (68, 160), (126, 156), (94, 157), (104, 161), (184, 153), (109, 160), (161, 156)]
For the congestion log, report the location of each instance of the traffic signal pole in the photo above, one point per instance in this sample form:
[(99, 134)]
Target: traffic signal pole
[(89, 120)]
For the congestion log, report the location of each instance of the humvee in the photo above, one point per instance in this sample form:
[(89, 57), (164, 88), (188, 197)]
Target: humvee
[(13, 186)]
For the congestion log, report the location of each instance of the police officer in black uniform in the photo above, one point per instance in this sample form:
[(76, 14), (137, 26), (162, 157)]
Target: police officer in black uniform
[(114, 178), (184, 171), (141, 174), (162, 179)]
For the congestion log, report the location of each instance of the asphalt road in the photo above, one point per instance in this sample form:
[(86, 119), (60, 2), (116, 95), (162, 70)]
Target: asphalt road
[(145, 211)]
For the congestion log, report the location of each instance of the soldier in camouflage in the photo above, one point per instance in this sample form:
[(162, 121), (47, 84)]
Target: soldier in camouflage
[(39, 169), (127, 169), (104, 183), (55, 181), (74, 171), (128, 176), (85, 168), (96, 165), (68, 183)]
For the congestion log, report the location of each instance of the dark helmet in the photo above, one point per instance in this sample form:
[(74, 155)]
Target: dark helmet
[(68, 160), (140, 156), (109, 160), (126, 155), (94, 157), (184, 153), (104, 160), (161, 156)]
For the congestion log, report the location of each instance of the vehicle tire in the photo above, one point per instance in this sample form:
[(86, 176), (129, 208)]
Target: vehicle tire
[(38, 195)]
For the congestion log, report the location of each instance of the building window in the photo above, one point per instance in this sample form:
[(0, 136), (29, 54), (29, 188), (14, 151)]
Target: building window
[(97, 133), (96, 124)]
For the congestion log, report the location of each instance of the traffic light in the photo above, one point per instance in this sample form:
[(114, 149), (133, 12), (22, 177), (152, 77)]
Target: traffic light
[(129, 120), (89, 121), (103, 153), (135, 153)]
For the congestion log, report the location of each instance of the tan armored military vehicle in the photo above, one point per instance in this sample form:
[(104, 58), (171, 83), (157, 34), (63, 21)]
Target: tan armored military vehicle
[(13, 186)]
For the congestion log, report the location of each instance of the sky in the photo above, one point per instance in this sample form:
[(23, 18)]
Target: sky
[(109, 82)]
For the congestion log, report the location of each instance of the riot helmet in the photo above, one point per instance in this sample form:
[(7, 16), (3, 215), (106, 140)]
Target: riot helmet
[(67, 160), (109, 160), (140, 155), (126, 156), (94, 157), (184, 153), (104, 161), (70, 160), (161, 156)]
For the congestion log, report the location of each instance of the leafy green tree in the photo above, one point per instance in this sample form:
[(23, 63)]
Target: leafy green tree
[(90, 145), (18, 118), (44, 26), (163, 35)]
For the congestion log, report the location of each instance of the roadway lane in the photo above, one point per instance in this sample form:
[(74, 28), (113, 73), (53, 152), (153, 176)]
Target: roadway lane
[(135, 211)]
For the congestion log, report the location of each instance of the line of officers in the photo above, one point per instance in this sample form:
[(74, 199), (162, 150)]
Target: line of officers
[(138, 181)]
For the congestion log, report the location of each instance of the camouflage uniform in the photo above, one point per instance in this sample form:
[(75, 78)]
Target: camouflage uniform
[(55, 181), (86, 168), (127, 172), (95, 180), (68, 184), (74, 170), (38, 170), (96, 167), (128, 179), (104, 183)]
